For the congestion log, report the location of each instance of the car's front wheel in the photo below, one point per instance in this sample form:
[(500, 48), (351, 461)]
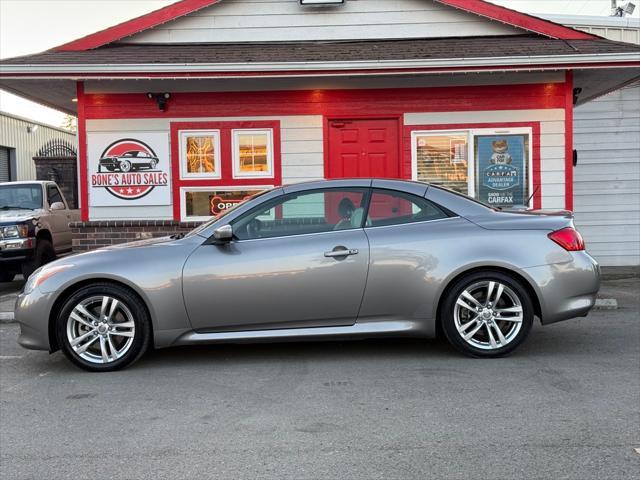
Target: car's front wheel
[(103, 327), (43, 254), (124, 166), (487, 314)]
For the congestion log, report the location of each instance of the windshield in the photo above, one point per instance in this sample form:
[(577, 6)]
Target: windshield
[(20, 196), (226, 212)]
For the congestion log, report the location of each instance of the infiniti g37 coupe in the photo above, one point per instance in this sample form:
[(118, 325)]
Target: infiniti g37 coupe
[(334, 259)]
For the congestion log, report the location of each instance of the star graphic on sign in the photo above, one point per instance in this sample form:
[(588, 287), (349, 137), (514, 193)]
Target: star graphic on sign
[(129, 190), (137, 190), (122, 190)]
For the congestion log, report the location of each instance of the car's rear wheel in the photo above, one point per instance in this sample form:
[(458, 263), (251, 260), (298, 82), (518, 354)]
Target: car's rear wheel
[(124, 166), (103, 327), (487, 314)]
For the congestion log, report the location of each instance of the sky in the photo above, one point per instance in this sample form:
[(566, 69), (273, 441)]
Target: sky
[(30, 26)]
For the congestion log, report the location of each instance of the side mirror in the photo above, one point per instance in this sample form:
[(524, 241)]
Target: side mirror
[(57, 206), (223, 233)]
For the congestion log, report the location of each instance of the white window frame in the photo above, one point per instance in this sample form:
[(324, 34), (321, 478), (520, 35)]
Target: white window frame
[(471, 151), (235, 152), (200, 218), (184, 174)]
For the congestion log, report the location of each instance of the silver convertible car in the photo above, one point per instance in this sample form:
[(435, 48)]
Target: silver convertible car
[(338, 259)]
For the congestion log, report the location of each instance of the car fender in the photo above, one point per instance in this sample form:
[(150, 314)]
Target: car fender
[(495, 264), (157, 283)]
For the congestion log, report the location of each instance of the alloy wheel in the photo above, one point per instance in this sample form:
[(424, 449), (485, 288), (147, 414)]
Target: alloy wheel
[(488, 315), (100, 329)]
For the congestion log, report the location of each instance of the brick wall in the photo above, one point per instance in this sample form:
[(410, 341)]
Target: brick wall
[(63, 171), (96, 234)]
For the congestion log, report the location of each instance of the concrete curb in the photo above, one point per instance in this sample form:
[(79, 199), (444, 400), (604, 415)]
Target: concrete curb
[(7, 317), (606, 304)]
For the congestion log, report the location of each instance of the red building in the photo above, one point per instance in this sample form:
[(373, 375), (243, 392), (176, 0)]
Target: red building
[(189, 109)]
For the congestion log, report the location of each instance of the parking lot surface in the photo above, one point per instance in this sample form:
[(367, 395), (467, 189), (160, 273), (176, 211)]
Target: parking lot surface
[(565, 405)]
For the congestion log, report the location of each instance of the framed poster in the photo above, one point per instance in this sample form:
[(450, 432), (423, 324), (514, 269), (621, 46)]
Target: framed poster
[(128, 168), (502, 168)]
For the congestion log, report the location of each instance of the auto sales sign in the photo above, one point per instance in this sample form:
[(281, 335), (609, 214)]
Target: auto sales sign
[(129, 169)]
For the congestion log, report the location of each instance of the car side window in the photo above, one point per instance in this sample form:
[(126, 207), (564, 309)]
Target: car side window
[(313, 211), (391, 207), (53, 194)]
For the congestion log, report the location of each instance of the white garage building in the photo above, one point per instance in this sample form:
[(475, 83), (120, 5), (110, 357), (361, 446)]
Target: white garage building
[(606, 130)]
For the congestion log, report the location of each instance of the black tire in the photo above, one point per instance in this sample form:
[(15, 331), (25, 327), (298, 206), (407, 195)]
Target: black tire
[(7, 276), (153, 164), (142, 335), (43, 254), (467, 282)]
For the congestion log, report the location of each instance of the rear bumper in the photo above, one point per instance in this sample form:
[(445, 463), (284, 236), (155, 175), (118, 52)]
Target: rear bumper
[(567, 290)]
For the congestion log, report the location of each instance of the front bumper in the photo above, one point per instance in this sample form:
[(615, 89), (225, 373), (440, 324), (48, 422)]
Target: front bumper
[(32, 313), (567, 290), (15, 251)]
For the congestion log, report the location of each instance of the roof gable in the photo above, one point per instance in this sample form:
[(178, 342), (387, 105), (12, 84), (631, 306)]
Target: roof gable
[(136, 25), (526, 23)]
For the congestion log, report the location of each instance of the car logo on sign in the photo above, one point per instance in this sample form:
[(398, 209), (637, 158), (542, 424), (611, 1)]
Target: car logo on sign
[(127, 169)]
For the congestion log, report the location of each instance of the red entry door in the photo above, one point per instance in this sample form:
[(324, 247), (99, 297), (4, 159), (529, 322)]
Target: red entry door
[(363, 148)]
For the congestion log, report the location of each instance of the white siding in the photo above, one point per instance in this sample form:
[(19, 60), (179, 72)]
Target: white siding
[(25, 145), (287, 20), (301, 153), (607, 178), (552, 156), (620, 29)]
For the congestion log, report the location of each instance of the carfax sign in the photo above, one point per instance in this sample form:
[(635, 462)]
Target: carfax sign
[(129, 169), (501, 169)]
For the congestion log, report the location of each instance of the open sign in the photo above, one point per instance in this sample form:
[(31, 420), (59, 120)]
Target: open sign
[(219, 204)]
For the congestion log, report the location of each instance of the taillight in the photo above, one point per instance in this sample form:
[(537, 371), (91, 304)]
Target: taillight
[(568, 238)]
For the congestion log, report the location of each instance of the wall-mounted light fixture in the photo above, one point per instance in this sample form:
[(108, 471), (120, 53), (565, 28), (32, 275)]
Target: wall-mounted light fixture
[(321, 2), (161, 99), (32, 128)]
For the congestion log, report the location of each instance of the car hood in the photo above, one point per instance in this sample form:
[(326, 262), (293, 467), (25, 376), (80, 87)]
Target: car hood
[(147, 242), (17, 215), (131, 263)]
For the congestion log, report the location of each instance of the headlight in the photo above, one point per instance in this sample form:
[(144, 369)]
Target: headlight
[(14, 231), (42, 274)]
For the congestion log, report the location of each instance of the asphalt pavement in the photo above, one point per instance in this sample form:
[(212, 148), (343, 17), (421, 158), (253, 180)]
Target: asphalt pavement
[(566, 405)]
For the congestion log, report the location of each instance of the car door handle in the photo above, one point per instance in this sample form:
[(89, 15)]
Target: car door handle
[(342, 252)]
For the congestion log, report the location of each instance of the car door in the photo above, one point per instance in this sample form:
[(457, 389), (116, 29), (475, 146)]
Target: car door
[(299, 260), (60, 220), (409, 237)]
